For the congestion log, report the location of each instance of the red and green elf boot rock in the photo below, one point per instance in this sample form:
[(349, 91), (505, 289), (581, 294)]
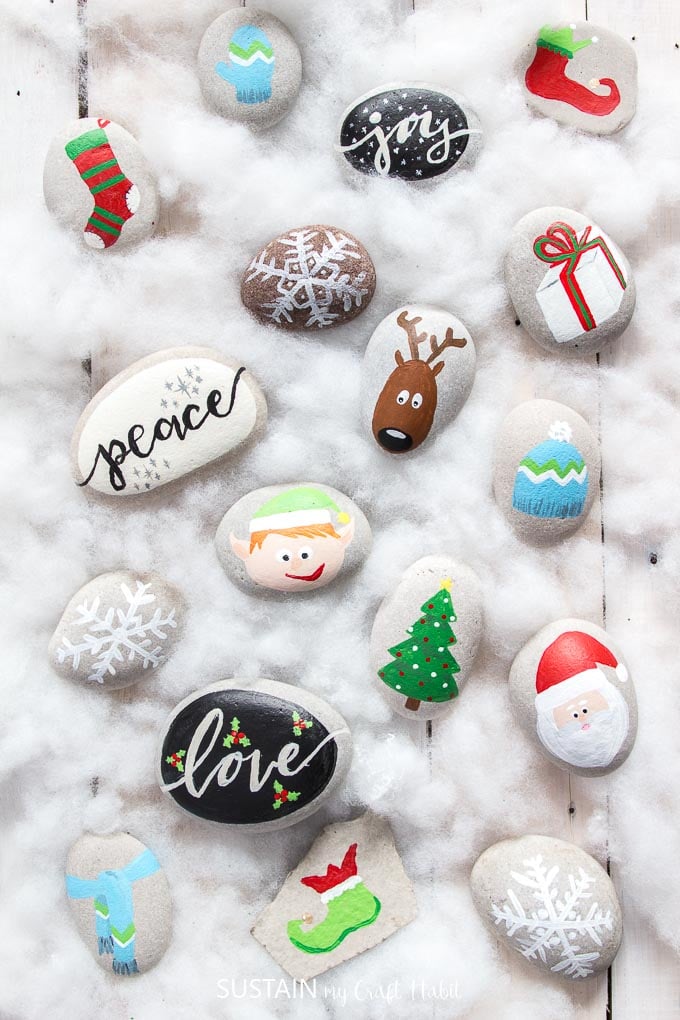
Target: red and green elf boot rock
[(547, 74)]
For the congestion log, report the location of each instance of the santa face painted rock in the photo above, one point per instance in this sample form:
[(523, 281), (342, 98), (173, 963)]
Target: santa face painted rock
[(426, 635), (550, 901), (249, 67), (571, 286), (546, 470), (309, 278), (348, 894), (117, 629), (253, 753), (582, 76), (573, 695), (292, 538), (97, 182), (411, 131), (418, 371), (120, 902), (164, 417)]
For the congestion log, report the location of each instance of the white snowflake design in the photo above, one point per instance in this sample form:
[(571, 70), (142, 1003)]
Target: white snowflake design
[(113, 634), (309, 280), (558, 922)]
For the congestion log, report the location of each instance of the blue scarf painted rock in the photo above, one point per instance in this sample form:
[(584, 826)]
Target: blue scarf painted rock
[(255, 753)]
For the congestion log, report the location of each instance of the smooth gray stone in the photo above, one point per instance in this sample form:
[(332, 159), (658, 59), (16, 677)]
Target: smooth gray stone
[(550, 901), (578, 296), (574, 697), (418, 371), (543, 502)]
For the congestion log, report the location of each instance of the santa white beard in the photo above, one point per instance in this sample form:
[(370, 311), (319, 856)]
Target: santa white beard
[(595, 747)]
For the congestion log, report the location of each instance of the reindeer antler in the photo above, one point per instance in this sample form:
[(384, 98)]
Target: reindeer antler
[(449, 341), (414, 338)]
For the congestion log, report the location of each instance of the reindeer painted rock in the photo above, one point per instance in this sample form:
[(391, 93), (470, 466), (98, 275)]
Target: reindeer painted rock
[(419, 368)]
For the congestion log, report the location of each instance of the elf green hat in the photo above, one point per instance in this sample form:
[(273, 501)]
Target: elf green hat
[(296, 508), (561, 40)]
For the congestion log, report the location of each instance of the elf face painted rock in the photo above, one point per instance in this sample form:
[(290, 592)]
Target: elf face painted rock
[(164, 417), (253, 753), (547, 470), (120, 902), (571, 286), (550, 901), (292, 538), (582, 76), (249, 67), (573, 695), (410, 389), (310, 278), (98, 183), (412, 131), (426, 635), (348, 894)]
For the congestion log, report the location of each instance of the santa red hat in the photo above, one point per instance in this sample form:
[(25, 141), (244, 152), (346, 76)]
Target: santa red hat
[(570, 667)]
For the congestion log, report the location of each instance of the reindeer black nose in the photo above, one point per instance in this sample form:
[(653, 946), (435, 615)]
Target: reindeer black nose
[(395, 440)]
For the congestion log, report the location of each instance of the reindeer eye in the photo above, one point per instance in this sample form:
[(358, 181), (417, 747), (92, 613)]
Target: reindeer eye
[(402, 398), (417, 400)]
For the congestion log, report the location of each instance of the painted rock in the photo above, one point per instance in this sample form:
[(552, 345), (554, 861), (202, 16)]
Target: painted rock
[(350, 893), (571, 286), (550, 901), (418, 371), (310, 278), (582, 76), (120, 902), (546, 470), (411, 131), (292, 538), (97, 182), (253, 753), (426, 635), (249, 67), (573, 696), (164, 417), (117, 629)]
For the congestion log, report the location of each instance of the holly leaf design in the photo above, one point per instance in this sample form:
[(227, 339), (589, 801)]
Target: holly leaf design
[(293, 795), (277, 804), (235, 724), (277, 786), (244, 742), (297, 731), (228, 741)]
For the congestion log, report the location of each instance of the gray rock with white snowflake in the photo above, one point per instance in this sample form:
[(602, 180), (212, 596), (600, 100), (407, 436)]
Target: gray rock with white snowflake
[(551, 902), (117, 629)]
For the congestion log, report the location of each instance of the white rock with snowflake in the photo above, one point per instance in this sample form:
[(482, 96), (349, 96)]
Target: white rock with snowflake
[(309, 278), (552, 902), (117, 629)]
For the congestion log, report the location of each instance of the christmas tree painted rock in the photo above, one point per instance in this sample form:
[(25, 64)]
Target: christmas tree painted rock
[(253, 753), (164, 417), (418, 371), (120, 902), (350, 893), (292, 538), (98, 183), (571, 286), (249, 67), (551, 902), (546, 470), (426, 635), (574, 697), (582, 76)]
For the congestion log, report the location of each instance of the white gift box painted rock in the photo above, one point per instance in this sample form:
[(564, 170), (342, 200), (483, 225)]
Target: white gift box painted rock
[(412, 131), (309, 278), (164, 417), (573, 696), (117, 629), (550, 901), (418, 371), (98, 182), (571, 285), (582, 76), (120, 902), (292, 538), (253, 753), (426, 635), (546, 469), (249, 67), (350, 893)]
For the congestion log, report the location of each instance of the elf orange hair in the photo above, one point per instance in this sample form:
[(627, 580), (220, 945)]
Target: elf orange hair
[(308, 531)]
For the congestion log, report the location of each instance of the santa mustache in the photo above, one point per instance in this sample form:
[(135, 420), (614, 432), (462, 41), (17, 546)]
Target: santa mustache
[(591, 744)]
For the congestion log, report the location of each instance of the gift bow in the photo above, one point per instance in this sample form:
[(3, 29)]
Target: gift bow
[(560, 244)]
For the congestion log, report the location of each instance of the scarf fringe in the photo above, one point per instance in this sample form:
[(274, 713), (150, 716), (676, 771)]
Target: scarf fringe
[(125, 968), (105, 944)]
